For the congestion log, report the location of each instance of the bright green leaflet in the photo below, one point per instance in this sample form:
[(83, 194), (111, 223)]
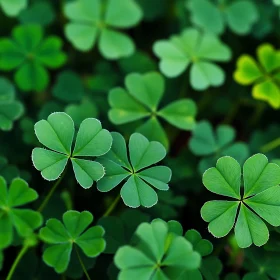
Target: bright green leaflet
[(213, 144), (57, 134), (264, 75), (13, 7), (30, 55), (261, 194), (159, 254), (197, 50), (141, 99), (138, 170), (89, 23), (238, 15), (74, 231), (25, 220), (10, 109)]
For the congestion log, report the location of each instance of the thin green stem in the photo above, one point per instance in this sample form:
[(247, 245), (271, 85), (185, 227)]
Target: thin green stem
[(270, 146), (82, 264), (112, 206), (17, 260), (51, 192)]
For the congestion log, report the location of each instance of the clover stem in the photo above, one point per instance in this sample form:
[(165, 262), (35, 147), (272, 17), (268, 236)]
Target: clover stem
[(270, 146), (112, 206), (82, 264), (51, 192), (17, 260)]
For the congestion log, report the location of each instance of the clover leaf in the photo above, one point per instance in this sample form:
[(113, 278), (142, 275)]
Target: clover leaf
[(141, 99), (62, 237), (197, 49), (140, 175), (30, 55), (24, 221), (239, 15), (57, 134), (13, 7), (261, 199), (212, 145), (263, 75), (10, 109), (90, 21), (159, 254)]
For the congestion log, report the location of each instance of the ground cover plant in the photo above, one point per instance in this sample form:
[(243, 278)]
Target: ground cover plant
[(139, 139)]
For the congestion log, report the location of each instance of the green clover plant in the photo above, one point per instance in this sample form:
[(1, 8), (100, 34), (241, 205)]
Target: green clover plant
[(63, 237), (238, 15), (197, 50), (30, 55), (261, 199), (213, 145), (13, 7), (141, 99), (10, 109), (57, 134), (24, 221), (94, 20), (137, 169), (159, 254), (263, 75)]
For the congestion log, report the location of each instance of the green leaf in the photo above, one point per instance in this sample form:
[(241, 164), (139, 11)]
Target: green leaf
[(13, 7), (62, 237)]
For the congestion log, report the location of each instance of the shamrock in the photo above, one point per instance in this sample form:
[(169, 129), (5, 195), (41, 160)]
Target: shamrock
[(159, 254), (57, 133), (212, 145), (141, 100), (210, 266), (239, 15), (13, 7), (90, 20), (23, 220), (62, 237), (30, 54), (264, 76), (261, 195), (198, 49), (137, 190), (10, 109)]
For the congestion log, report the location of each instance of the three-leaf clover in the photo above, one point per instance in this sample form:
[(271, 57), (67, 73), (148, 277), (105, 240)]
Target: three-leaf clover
[(13, 7), (212, 145), (91, 21), (263, 75), (30, 55), (137, 190), (62, 237), (57, 134), (10, 109), (159, 254), (25, 221), (141, 99), (197, 49), (239, 15), (261, 199)]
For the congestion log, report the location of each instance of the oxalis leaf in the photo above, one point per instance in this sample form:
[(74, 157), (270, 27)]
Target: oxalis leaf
[(261, 199), (138, 170), (57, 134), (63, 237)]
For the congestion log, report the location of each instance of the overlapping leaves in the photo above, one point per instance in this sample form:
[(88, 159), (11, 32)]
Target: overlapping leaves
[(264, 75), (63, 237), (141, 99), (30, 55), (137, 169), (24, 221), (57, 134), (90, 22), (261, 199), (197, 50)]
